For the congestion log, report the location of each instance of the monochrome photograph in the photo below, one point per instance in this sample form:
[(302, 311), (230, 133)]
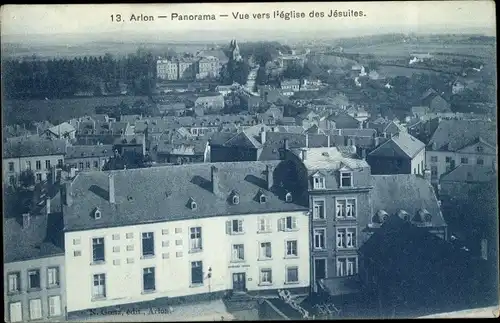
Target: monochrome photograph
[(249, 161)]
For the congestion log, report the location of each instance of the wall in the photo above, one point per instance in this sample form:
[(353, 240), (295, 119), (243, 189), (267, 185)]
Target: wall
[(20, 165), (389, 165), (172, 262), (418, 163), (24, 296), (75, 162)]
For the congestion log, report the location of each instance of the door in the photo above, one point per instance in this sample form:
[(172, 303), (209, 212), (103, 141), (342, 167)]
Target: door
[(16, 314), (319, 269), (239, 282)]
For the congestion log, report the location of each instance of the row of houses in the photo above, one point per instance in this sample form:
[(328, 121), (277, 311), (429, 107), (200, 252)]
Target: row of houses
[(295, 223)]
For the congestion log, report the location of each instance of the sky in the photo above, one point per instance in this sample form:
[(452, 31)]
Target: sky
[(94, 20)]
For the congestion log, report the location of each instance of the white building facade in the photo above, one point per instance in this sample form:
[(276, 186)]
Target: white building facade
[(121, 265)]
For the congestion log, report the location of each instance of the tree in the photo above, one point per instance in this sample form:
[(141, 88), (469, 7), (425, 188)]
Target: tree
[(27, 178)]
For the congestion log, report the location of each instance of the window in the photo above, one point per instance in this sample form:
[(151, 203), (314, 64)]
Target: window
[(14, 282), (53, 276), (98, 249), (35, 309), (196, 272), (318, 210), (292, 274), (345, 179), (319, 238), (345, 208), (346, 266), (319, 182), (287, 224), (99, 286), (47, 164), (148, 246), (266, 276), (264, 225), (346, 238), (238, 252), (262, 198), (480, 149), (237, 226), (236, 199), (480, 161), (80, 165), (55, 305), (87, 164), (265, 250), (448, 159), (28, 165), (288, 198), (464, 160), (11, 166), (434, 159), (38, 165), (148, 279), (96, 164), (16, 312), (33, 279), (60, 163), (195, 239), (38, 177), (291, 248)]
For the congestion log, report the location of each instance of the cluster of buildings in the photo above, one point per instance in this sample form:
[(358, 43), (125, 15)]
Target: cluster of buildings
[(331, 202)]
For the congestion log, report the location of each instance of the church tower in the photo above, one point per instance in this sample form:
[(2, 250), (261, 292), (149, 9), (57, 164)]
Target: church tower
[(235, 51)]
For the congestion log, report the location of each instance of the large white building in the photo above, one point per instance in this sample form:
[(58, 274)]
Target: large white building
[(181, 231)]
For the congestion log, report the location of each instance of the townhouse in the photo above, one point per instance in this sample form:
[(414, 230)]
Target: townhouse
[(88, 158), (183, 232), (461, 142), (34, 285), (338, 190), (210, 103), (31, 154), (167, 69), (61, 131)]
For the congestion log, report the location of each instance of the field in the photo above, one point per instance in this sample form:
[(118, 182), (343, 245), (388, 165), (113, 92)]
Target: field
[(402, 49), (393, 71), (59, 110)]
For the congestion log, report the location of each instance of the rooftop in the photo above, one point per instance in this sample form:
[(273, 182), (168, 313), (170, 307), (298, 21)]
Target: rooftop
[(392, 193), (469, 173), (42, 238), (400, 145), (453, 135), (327, 158), (146, 195), (33, 146)]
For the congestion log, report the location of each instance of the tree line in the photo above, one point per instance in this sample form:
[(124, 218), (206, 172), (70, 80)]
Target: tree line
[(62, 78)]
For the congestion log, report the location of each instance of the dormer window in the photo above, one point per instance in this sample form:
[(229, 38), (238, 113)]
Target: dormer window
[(404, 215), (192, 204), (236, 199), (319, 181), (288, 197), (97, 214), (346, 179), (262, 198)]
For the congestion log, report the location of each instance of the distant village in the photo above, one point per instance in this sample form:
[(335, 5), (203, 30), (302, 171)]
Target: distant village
[(294, 215)]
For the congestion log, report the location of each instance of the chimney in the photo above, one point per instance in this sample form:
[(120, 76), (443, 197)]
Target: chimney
[(263, 137), (376, 141), (304, 154), (54, 175), (111, 180), (47, 206), (307, 140), (484, 249), (214, 177), (328, 138), (285, 144), (68, 200), (427, 174), (26, 220), (269, 175)]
